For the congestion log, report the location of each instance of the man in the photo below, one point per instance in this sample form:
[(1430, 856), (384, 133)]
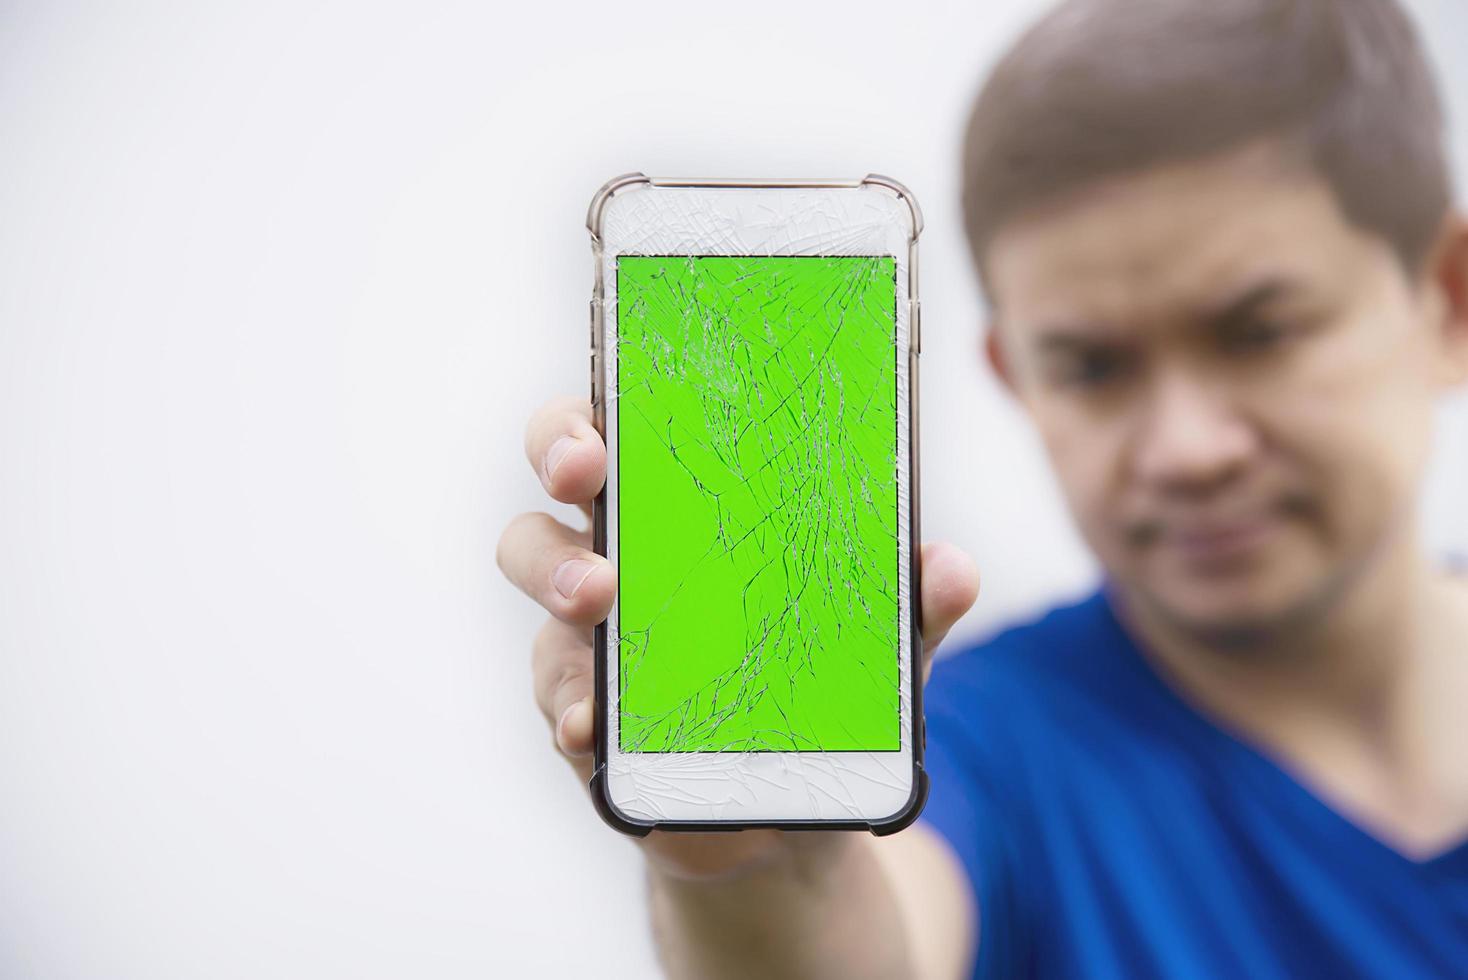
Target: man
[(1227, 286)]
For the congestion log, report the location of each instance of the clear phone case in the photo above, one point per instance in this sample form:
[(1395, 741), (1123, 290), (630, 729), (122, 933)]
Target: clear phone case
[(729, 750)]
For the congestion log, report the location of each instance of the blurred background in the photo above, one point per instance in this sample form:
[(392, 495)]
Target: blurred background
[(279, 285)]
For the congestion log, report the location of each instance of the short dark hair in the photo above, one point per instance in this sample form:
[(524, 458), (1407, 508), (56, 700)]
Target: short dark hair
[(1100, 88)]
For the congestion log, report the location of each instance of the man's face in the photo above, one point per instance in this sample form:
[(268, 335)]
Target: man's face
[(1235, 385)]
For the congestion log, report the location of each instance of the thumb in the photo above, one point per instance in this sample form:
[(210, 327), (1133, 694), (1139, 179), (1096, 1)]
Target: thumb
[(950, 584)]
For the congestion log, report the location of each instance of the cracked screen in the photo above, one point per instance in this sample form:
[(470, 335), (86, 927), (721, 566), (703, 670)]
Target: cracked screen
[(757, 504)]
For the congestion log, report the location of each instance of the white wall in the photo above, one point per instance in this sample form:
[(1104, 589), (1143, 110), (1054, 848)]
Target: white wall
[(279, 284)]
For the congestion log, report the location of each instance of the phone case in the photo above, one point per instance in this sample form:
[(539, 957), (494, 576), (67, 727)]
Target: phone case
[(599, 788)]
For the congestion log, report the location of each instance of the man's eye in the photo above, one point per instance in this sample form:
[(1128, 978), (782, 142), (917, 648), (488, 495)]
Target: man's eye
[(1090, 368)]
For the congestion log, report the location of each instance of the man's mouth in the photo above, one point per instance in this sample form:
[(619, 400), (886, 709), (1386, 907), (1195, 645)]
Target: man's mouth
[(1208, 542), (1217, 542)]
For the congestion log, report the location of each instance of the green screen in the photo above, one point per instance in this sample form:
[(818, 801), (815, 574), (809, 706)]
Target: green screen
[(756, 407)]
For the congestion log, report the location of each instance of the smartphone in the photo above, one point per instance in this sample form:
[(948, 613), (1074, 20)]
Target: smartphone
[(754, 372)]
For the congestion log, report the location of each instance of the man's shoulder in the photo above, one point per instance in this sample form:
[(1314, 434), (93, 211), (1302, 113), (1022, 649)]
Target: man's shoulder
[(1051, 693), (1015, 720), (1060, 640)]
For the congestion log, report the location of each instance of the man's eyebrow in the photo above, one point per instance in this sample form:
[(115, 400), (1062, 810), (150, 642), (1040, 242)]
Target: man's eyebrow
[(1245, 302), (1064, 338), (1068, 336)]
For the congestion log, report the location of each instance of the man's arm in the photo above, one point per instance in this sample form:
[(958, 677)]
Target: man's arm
[(827, 905), (760, 902)]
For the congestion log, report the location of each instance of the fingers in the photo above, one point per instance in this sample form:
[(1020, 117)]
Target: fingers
[(562, 667), (552, 564), (566, 451), (562, 655), (950, 584)]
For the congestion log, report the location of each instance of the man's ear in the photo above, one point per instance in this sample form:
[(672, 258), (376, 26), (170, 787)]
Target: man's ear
[(998, 357), (1446, 275)]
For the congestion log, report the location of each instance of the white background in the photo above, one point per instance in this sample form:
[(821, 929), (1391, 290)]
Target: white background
[(279, 285)]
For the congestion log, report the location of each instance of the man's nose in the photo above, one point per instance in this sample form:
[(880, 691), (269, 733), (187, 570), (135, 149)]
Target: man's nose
[(1191, 436)]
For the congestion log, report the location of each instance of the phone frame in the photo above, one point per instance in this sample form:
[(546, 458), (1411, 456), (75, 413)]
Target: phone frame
[(915, 729)]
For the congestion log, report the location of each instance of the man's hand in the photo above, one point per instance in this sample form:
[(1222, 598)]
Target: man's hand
[(555, 566)]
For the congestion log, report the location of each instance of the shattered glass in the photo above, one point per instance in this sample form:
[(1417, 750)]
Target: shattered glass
[(756, 409), (758, 496)]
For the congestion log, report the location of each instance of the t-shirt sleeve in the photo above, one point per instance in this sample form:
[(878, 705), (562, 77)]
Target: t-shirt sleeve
[(969, 807)]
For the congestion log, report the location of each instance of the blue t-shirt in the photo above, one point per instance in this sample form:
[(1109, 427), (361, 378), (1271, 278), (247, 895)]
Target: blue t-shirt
[(1110, 830)]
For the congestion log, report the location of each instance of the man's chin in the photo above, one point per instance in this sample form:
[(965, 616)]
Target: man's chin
[(1234, 615)]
